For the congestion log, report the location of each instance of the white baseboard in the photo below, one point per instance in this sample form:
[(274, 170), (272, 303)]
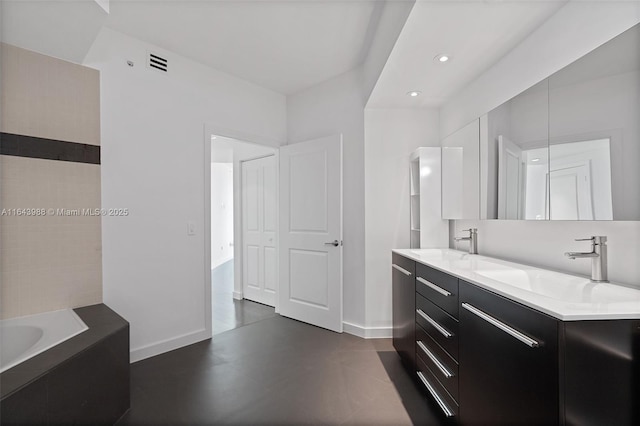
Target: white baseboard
[(238, 295), (161, 347), (367, 332)]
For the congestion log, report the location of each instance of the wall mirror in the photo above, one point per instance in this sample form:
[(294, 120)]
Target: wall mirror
[(460, 171), (568, 148), (517, 156)]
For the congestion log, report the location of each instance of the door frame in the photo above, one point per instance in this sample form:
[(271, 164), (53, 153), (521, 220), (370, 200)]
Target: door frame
[(208, 130)]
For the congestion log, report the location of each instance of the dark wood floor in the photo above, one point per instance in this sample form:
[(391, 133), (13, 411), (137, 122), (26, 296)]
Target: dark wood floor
[(227, 312), (274, 372), (264, 369)]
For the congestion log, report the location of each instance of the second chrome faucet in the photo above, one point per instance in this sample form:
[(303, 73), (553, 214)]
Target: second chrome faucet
[(598, 256), (472, 238)]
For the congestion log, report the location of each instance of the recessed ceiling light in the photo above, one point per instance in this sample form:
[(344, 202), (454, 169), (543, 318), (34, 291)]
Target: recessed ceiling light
[(535, 160), (442, 58), (413, 93)]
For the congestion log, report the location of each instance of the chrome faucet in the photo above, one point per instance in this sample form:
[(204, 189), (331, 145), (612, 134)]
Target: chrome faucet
[(598, 255), (472, 238)]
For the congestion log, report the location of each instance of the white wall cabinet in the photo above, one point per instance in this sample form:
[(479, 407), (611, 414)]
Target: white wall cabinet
[(428, 229), (461, 173)]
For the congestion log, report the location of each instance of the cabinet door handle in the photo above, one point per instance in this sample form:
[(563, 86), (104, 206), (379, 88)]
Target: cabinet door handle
[(502, 326), (447, 411), (434, 287), (433, 322), (401, 269), (435, 360)]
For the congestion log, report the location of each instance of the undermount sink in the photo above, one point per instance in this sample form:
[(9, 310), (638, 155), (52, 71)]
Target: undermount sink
[(559, 286), (477, 264), (439, 254), (546, 283)]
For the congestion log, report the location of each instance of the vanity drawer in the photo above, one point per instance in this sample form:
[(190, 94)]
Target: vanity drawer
[(438, 287), (438, 360), (436, 392), (441, 326)]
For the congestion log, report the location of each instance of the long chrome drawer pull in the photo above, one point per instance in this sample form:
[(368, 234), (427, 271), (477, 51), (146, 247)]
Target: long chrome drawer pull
[(502, 326), (435, 360), (404, 271), (437, 326), (447, 411), (434, 287)]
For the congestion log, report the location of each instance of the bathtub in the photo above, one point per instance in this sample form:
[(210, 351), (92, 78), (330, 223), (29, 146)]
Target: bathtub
[(25, 337)]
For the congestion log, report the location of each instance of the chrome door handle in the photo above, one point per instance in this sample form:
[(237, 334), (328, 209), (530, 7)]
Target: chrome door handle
[(445, 371), (334, 243), (443, 406), (502, 326), (401, 269), (434, 287), (435, 325)]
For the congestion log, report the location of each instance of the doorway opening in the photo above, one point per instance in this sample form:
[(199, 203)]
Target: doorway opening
[(243, 233)]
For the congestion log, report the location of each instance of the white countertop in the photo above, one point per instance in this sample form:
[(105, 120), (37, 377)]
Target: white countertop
[(563, 296)]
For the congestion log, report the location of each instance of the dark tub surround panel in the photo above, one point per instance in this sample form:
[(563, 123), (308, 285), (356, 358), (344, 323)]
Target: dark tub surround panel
[(84, 380), (48, 149)]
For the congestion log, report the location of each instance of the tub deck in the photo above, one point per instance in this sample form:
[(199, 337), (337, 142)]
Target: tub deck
[(84, 379)]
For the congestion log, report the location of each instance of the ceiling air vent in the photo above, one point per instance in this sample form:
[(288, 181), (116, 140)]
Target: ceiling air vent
[(158, 62)]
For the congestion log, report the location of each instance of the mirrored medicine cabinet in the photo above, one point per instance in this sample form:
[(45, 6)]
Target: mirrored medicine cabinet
[(567, 148)]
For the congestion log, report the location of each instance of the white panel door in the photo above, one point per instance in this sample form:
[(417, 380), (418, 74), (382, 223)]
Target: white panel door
[(311, 232), (570, 193), (259, 215)]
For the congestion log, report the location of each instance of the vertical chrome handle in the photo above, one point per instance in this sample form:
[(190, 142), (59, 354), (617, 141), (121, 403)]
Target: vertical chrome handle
[(447, 411), (437, 326), (435, 360), (502, 326), (434, 287), (401, 269)]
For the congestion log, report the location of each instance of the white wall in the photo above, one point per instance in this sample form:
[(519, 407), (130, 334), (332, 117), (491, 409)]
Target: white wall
[(576, 29), (152, 163), (391, 135), (221, 213), (333, 107), (391, 21), (543, 244)]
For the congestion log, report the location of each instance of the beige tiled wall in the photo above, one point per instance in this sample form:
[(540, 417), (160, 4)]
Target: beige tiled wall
[(49, 98), (54, 261)]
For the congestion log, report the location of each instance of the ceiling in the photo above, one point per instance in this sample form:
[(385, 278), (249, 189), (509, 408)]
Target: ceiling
[(285, 46), (62, 29), (290, 45), (476, 34)]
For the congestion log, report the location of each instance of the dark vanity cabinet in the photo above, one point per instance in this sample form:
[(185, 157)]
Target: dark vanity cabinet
[(601, 372), (437, 337), (404, 302), (483, 359), (508, 361)]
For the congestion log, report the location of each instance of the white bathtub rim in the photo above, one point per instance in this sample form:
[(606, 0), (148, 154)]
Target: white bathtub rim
[(44, 344)]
